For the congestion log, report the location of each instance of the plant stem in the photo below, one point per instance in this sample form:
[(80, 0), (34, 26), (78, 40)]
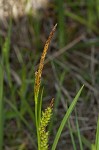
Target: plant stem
[(37, 124), (1, 107)]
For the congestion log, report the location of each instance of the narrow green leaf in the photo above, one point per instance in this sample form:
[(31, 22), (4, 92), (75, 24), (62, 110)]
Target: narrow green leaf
[(64, 121), (93, 147), (78, 133), (60, 81), (61, 23), (72, 136), (91, 13), (86, 142), (97, 8), (19, 115), (22, 146), (81, 20), (40, 107), (1, 107), (6, 52), (97, 136)]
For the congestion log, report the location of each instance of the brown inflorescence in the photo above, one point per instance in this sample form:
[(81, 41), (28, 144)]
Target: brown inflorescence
[(38, 73)]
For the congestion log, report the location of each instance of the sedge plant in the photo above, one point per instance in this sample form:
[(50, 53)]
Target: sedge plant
[(42, 118), (42, 121)]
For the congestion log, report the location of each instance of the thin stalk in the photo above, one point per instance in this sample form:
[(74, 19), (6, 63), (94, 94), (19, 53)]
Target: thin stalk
[(40, 108), (61, 23), (78, 132), (72, 136), (1, 107), (36, 119), (97, 136)]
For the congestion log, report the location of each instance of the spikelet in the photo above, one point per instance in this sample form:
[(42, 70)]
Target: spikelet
[(38, 73), (46, 116)]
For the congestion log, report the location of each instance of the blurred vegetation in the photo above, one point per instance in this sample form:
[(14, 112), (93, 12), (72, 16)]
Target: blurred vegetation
[(73, 60)]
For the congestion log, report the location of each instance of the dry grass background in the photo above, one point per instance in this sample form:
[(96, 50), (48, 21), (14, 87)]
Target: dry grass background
[(76, 62)]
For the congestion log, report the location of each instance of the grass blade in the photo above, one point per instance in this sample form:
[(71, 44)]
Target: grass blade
[(40, 106), (61, 24), (1, 107), (90, 13), (65, 119), (78, 133), (81, 20), (20, 115), (72, 136), (60, 81), (97, 8), (6, 53), (85, 141), (93, 147), (97, 136)]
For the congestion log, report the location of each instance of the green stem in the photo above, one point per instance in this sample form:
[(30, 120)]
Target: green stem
[(1, 107), (37, 123)]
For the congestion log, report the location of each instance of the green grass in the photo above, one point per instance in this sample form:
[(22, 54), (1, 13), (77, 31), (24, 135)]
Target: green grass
[(60, 20), (82, 21), (97, 136), (60, 81), (1, 106), (78, 133), (65, 119), (35, 24), (16, 100), (72, 136), (6, 53)]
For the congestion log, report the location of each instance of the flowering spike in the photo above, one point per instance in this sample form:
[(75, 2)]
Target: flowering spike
[(38, 73), (46, 116)]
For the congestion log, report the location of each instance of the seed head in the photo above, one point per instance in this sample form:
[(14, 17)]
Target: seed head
[(38, 73)]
